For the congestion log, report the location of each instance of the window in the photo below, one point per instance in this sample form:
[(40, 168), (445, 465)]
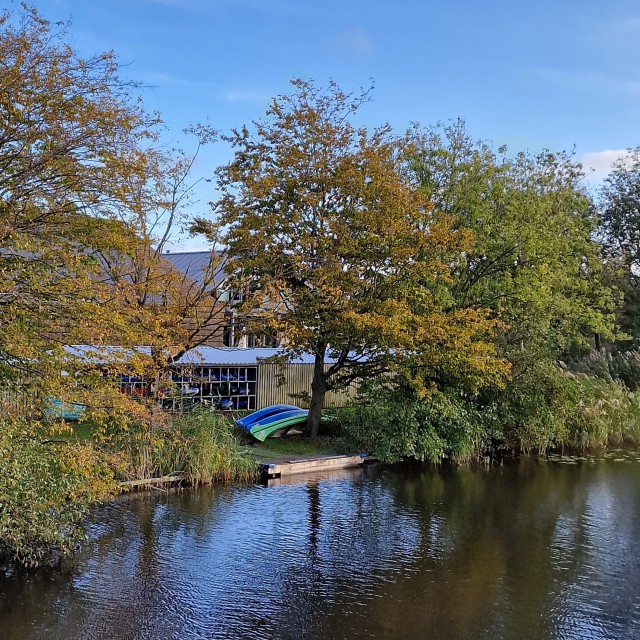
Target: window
[(214, 387), (228, 295), (133, 385)]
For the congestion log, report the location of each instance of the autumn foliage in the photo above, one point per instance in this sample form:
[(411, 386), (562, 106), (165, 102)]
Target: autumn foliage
[(447, 278), (344, 253)]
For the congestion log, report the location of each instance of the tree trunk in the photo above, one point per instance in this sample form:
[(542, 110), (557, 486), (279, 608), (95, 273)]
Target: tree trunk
[(598, 341), (318, 392)]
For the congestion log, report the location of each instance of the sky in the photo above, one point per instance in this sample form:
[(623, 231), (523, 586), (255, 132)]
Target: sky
[(549, 74)]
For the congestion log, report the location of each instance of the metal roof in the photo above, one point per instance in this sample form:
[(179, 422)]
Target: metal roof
[(99, 354), (235, 356), (194, 264), (200, 356)]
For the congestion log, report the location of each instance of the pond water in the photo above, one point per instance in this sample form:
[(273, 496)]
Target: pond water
[(545, 549)]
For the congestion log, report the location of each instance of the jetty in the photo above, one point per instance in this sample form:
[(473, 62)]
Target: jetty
[(292, 465)]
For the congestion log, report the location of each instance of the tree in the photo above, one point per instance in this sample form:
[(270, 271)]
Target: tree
[(88, 201), (345, 256), (72, 136), (534, 261), (619, 231), (176, 310)]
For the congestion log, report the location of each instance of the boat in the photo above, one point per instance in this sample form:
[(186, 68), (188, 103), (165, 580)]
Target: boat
[(262, 429), (254, 417), (265, 422), (56, 409)]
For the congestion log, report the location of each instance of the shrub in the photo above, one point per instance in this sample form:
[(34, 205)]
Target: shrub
[(394, 428), (46, 488), (549, 407), (544, 408)]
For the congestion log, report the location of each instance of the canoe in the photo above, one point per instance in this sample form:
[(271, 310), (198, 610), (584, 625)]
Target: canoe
[(275, 422), (56, 409), (248, 421)]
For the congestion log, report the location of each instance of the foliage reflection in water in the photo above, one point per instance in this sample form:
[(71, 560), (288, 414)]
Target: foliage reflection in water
[(537, 549)]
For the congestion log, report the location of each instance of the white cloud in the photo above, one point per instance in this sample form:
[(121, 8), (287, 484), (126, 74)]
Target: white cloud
[(358, 41), (587, 81), (598, 164), (248, 97)]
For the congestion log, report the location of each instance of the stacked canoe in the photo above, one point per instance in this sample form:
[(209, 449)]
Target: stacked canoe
[(278, 417)]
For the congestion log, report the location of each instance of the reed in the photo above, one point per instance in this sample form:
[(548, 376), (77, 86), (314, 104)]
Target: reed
[(201, 446)]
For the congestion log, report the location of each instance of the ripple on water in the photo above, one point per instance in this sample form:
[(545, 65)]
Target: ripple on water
[(491, 555)]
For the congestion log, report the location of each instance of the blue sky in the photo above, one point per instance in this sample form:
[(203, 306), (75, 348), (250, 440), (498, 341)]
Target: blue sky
[(531, 75)]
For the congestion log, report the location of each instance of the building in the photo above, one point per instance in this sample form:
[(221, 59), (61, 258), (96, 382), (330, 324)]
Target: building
[(219, 329), (245, 378)]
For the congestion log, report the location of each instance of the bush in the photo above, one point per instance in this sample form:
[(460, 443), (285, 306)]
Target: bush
[(46, 488), (428, 430), (544, 408), (47, 485), (548, 407)]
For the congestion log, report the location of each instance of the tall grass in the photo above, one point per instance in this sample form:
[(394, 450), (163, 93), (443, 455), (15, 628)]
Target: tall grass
[(200, 445), (204, 448)]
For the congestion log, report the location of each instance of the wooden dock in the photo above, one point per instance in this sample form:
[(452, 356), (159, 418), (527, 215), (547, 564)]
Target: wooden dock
[(291, 465)]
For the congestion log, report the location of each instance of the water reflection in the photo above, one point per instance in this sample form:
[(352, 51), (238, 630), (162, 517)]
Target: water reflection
[(539, 549)]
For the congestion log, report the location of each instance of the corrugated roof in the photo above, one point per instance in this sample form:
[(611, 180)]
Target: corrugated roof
[(235, 356), (198, 356), (98, 354), (194, 264)]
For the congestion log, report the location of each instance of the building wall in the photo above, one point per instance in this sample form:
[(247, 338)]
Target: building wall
[(297, 379)]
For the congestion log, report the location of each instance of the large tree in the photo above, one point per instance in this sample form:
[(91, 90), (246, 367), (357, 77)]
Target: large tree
[(534, 261), (346, 258), (88, 200), (72, 137)]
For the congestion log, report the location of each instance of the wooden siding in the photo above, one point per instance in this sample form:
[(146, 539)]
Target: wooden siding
[(14, 402), (297, 380)]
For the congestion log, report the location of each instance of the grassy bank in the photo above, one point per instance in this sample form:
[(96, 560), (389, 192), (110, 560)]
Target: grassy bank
[(294, 446), (51, 474)]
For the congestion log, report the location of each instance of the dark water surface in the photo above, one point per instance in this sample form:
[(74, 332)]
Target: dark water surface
[(535, 549)]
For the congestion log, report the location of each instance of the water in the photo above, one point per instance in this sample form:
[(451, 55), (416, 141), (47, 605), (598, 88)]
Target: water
[(537, 549)]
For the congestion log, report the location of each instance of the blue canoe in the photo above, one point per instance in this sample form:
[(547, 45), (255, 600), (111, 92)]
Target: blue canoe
[(248, 421), (56, 409), (276, 422)]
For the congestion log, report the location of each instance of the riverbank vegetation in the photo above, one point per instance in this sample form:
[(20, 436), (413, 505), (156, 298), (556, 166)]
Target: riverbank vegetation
[(50, 475), (483, 300), (201, 447), (545, 410)]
